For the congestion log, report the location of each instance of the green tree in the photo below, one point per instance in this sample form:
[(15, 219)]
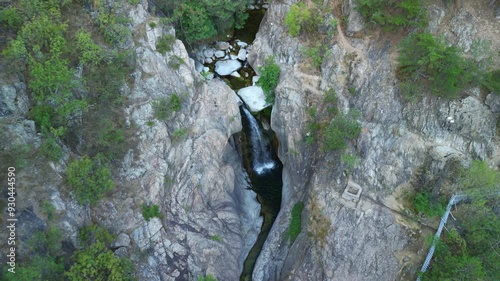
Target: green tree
[(341, 129), (89, 178), (269, 78), (425, 59), (89, 50), (298, 15), (97, 262), (201, 20)]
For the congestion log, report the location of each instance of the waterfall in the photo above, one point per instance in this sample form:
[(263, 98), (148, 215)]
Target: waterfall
[(261, 156)]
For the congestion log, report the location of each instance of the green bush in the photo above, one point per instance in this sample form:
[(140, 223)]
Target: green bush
[(295, 226), (51, 150), (343, 128), (394, 13), (163, 108), (269, 78), (423, 203), (427, 60), (149, 212), (315, 54), (491, 81), (298, 15), (350, 161), (89, 50), (330, 102), (11, 17), (89, 178), (96, 261), (199, 20), (165, 43)]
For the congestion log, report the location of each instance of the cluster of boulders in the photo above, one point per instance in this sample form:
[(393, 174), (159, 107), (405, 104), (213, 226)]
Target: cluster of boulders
[(228, 58)]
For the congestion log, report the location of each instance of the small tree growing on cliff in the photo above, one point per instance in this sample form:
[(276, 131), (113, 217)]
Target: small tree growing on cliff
[(89, 178), (269, 78)]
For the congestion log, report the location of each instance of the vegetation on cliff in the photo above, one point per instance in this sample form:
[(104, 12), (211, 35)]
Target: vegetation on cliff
[(199, 20)]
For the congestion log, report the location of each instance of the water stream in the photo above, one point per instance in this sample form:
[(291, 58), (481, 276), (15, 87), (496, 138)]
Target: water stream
[(258, 147)]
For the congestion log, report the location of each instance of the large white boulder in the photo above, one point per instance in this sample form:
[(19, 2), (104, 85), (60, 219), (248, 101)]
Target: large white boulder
[(254, 98), (226, 67)]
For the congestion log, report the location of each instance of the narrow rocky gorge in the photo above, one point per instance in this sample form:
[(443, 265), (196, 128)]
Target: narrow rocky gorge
[(210, 217)]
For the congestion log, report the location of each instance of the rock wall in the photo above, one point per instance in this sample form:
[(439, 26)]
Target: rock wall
[(370, 238), (187, 165)]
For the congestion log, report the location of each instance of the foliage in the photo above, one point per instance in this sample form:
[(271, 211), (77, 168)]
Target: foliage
[(216, 238), (423, 204), (163, 108), (199, 20), (111, 25), (89, 178), (315, 54), (11, 17), (269, 78), (298, 15), (97, 262), (470, 252), (51, 150), (179, 134), (295, 226), (90, 51), (330, 101), (175, 62), (165, 43), (39, 268), (342, 129), (49, 210), (350, 161), (208, 277), (149, 212), (394, 13), (427, 60), (491, 81)]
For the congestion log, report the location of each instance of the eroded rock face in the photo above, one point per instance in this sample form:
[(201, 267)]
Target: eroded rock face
[(368, 239)]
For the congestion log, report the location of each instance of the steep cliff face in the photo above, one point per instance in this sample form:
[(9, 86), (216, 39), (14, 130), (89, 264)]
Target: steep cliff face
[(370, 238), (187, 165)]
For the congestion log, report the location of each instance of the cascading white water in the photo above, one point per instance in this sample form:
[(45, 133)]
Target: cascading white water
[(261, 156)]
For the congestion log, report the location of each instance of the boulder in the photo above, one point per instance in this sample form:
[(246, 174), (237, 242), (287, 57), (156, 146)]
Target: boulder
[(123, 240), (254, 98), (222, 46), (242, 54), (220, 54), (227, 67), (208, 53)]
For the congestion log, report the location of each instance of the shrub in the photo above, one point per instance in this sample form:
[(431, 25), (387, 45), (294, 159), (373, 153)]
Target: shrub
[(175, 62), (491, 81), (97, 262), (199, 20), (89, 178), (269, 78), (330, 101), (423, 204), (163, 108), (90, 51), (295, 226), (427, 60), (11, 17), (149, 212), (51, 150), (298, 15), (319, 223), (179, 134), (341, 129), (394, 13), (165, 43), (315, 54), (350, 161)]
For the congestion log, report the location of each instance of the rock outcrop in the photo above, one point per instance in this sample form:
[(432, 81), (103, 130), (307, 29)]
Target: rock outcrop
[(369, 239)]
